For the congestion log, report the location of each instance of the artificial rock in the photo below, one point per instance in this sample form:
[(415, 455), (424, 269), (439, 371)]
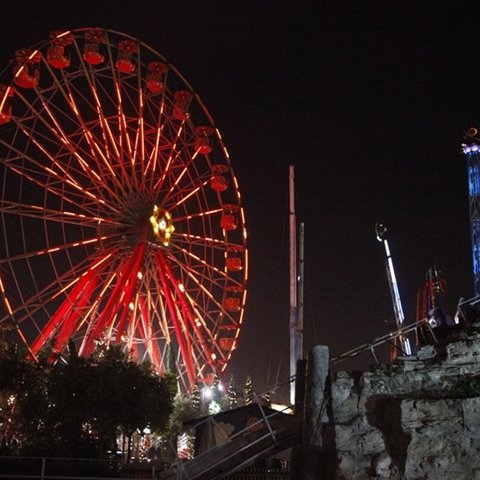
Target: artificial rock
[(416, 419)]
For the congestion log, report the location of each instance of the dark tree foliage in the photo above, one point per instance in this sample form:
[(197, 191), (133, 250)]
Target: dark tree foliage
[(12, 367), (77, 408), (71, 393), (32, 412)]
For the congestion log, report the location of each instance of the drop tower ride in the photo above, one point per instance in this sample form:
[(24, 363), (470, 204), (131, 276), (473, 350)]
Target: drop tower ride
[(471, 149)]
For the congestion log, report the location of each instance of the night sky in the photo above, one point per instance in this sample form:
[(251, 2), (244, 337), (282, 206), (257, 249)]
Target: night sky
[(368, 99)]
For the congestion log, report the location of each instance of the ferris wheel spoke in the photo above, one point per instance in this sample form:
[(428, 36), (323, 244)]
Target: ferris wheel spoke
[(124, 141), (119, 299), (64, 321), (39, 212), (139, 142), (146, 333), (51, 291), (123, 130), (185, 196), (110, 143), (53, 249), (220, 274), (94, 86), (199, 214), (101, 296), (52, 124), (41, 175), (220, 307), (69, 92), (198, 279), (190, 239), (163, 327), (201, 278), (124, 138), (170, 158), (153, 157), (128, 294), (178, 179), (200, 320), (207, 324), (188, 314), (151, 283), (185, 190), (89, 174), (97, 154), (178, 325)]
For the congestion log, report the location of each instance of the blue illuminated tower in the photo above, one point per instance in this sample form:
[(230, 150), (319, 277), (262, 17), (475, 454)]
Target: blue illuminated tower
[(472, 150)]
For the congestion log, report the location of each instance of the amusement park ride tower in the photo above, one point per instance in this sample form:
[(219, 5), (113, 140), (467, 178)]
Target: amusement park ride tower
[(471, 148), (381, 232)]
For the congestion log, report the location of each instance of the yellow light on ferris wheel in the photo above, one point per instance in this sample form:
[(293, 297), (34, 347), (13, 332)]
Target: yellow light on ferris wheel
[(162, 225)]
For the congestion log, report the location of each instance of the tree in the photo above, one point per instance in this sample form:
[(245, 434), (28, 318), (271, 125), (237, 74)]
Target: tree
[(12, 371), (146, 400), (248, 393), (71, 395), (23, 398), (32, 411), (77, 408), (195, 400), (232, 395), (129, 397), (182, 411)]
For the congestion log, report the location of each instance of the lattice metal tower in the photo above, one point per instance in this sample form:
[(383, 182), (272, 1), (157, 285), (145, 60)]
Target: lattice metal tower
[(471, 148)]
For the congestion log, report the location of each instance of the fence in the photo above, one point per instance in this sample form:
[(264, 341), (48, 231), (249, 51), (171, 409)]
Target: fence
[(43, 468), (254, 473)]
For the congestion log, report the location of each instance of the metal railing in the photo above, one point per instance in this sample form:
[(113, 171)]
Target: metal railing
[(47, 468), (270, 432), (255, 473), (388, 338)]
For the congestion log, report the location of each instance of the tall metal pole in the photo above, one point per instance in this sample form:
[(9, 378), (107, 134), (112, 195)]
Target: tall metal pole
[(293, 282), (301, 284)]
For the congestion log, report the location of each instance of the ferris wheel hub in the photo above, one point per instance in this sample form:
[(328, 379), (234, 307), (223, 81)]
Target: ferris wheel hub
[(162, 225)]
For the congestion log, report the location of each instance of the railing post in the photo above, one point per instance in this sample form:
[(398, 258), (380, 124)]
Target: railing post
[(316, 393), (372, 351), (42, 470)]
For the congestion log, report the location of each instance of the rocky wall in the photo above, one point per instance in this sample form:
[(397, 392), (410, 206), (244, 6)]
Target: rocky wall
[(418, 418)]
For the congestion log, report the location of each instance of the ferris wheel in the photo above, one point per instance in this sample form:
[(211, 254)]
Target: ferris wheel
[(121, 217)]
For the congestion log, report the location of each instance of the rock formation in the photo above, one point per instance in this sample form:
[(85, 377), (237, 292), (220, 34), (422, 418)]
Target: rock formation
[(418, 418)]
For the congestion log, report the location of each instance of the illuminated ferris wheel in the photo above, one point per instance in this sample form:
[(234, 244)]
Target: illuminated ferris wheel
[(121, 216)]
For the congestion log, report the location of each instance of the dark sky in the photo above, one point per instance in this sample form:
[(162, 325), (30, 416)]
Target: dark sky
[(369, 101)]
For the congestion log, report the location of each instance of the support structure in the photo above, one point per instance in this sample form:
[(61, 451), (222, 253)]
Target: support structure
[(472, 151), (296, 287), (300, 290)]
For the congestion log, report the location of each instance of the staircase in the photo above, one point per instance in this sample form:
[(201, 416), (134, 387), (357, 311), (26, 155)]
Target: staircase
[(267, 436)]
